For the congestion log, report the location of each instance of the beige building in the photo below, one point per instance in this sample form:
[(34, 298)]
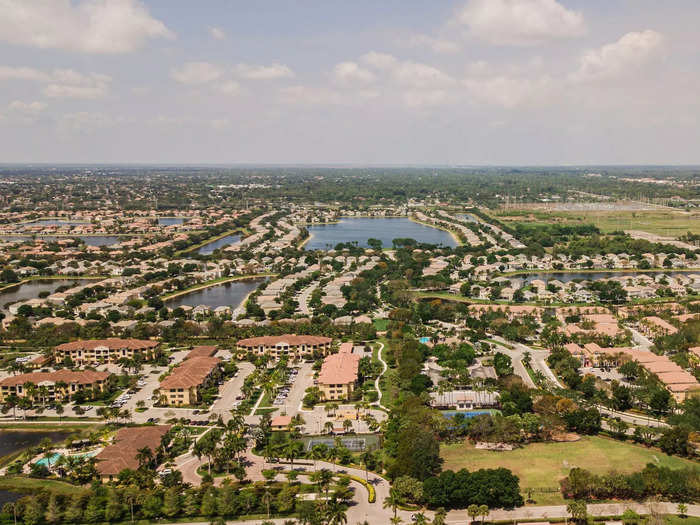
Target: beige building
[(277, 346), (52, 386), (338, 374), (184, 385), (96, 351)]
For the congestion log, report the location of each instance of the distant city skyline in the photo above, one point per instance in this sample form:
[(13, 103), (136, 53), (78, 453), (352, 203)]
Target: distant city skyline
[(397, 82)]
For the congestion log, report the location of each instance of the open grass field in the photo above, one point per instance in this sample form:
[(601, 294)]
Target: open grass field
[(542, 465), (30, 485), (667, 223)]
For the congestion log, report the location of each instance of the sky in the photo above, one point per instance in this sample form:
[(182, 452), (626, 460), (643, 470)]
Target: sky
[(441, 82)]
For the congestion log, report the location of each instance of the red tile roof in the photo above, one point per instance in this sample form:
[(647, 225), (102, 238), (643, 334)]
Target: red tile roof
[(339, 369), (122, 454), (81, 377), (190, 373), (291, 340), (113, 343)]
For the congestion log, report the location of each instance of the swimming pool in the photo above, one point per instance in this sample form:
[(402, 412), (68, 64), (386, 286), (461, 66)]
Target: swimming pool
[(467, 413), (424, 340), (56, 456)]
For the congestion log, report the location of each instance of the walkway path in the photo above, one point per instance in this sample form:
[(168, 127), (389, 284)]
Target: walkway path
[(378, 402)]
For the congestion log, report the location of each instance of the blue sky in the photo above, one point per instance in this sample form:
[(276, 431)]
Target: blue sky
[(361, 82)]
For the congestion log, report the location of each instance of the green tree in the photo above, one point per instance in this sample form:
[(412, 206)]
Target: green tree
[(171, 502)]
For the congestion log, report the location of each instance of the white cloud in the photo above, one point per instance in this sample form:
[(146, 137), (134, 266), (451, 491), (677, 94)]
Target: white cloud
[(196, 73), (406, 72), (520, 22), (437, 45), (630, 52), (352, 73), (379, 60), (509, 91), (26, 108), (261, 72), (22, 73), (61, 83), (88, 26), (217, 33), (85, 122), (230, 87), (424, 98), (66, 83)]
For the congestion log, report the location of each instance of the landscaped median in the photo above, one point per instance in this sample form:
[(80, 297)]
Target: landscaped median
[(371, 493)]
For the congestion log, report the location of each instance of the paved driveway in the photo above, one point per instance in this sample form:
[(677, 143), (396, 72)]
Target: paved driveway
[(231, 389)]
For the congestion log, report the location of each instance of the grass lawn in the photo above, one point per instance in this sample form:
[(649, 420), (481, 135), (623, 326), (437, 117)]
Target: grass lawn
[(380, 324), (28, 485), (542, 465), (669, 223)]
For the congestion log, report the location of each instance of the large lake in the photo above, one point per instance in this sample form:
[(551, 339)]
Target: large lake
[(324, 237), (32, 289), (55, 222), (226, 294), (170, 221), (208, 249), (12, 441)]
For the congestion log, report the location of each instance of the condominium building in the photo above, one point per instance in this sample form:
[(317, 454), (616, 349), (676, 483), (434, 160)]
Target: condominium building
[(292, 346), (186, 382), (52, 386), (111, 350), (339, 374)]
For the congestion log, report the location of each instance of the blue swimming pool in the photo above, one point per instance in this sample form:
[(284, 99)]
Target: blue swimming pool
[(424, 340), (56, 456), (467, 413)]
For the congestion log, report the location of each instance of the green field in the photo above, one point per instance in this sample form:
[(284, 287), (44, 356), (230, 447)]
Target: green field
[(668, 223), (542, 465)]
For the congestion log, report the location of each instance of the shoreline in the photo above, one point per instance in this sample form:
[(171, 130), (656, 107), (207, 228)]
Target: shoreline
[(50, 278), (213, 239), (452, 233), (204, 286)]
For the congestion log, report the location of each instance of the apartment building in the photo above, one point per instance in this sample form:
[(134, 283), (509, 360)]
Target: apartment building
[(339, 374), (186, 382), (292, 346), (52, 386), (111, 350)]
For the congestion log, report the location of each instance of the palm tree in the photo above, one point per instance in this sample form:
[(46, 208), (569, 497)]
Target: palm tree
[(59, 411), (420, 519), (473, 511), (144, 456), (392, 501), (578, 510), (318, 452), (336, 512), (483, 512)]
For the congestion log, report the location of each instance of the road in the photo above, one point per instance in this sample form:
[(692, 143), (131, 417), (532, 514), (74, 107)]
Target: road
[(231, 389), (304, 298)]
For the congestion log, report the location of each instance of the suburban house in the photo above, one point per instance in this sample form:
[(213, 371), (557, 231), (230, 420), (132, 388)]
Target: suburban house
[(52, 386), (339, 374), (276, 346), (96, 351), (122, 453), (184, 385)]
